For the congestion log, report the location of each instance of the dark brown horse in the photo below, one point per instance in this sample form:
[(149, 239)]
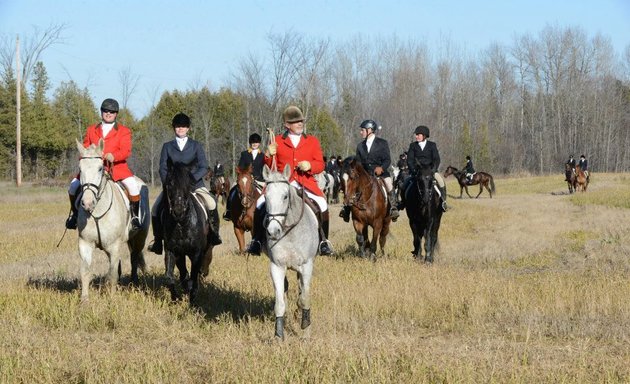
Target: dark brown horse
[(482, 178), (570, 178), (366, 196), (581, 181), (219, 185), (243, 204)]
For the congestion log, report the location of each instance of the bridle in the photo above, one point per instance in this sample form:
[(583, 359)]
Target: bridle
[(97, 190), (286, 228), (355, 198), (249, 197)]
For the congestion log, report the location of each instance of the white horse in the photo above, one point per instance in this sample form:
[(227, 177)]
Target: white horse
[(292, 241), (104, 220), (326, 183)]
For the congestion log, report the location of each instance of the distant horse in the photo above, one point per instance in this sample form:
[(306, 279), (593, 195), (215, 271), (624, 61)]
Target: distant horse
[(243, 204), (104, 220), (581, 181), (186, 230), (366, 197), (482, 178), (219, 186), (425, 213), (292, 242), (325, 182), (336, 174), (570, 177)]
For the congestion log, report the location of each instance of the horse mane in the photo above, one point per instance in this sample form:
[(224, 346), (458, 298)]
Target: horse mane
[(179, 177)]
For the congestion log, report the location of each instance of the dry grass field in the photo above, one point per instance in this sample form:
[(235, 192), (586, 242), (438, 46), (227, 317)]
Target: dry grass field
[(530, 286)]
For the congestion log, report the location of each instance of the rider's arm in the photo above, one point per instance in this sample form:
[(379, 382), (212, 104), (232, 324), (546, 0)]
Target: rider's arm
[(123, 150), (202, 163)]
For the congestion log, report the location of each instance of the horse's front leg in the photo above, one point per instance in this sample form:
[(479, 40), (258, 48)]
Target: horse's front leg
[(376, 232), (461, 190), (361, 235), (113, 274), (417, 250), (278, 276), (466, 188), (169, 259), (193, 282), (86, 251), (180, 261), (240, 237), (304, 299), (480, 190)]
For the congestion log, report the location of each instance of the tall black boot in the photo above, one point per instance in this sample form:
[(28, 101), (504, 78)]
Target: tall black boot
[(227, 215), (403, 194), (324, 245), (134, 206), (71, 221), (213, 234), (393, 202), (157, 246), (345, 213), (259, 234)]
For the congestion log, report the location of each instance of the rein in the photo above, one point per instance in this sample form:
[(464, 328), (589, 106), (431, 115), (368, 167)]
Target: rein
[(355, 199), (98, 190), (272, 216)]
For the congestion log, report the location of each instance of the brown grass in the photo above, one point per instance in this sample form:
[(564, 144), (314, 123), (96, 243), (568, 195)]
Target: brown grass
[(530, 286)]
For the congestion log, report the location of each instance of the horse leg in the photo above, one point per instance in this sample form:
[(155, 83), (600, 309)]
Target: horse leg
[(417, 252), (376, 232), (304, 299), (360, 237), (383, 237), (278, 275), (240, 237), (461, 190), (205, 263), (180, 261), (170, 273), (480, 190), (466, 188), (193, 282), (86, 250), (113, 274)]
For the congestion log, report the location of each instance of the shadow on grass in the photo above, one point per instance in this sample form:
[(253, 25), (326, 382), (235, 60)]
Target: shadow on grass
[(213, 301)]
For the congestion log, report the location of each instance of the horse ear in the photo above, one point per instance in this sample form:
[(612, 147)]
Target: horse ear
[(266, 172), (80, 146), (287, 172)]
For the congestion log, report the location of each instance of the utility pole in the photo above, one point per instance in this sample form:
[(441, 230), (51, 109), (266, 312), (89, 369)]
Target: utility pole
[(18, 130)]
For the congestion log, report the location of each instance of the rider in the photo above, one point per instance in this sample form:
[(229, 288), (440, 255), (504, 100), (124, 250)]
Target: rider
[(304, 155), (116, 150), (423, 153), (373, 154), (252, 156), (469, 169), (219, 172), (184, 150), (583, 163)]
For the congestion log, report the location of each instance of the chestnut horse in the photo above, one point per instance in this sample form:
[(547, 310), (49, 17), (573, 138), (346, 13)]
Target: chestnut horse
[(482, 178), (366, 197), (581, 181), (243, 204), (219, 185)]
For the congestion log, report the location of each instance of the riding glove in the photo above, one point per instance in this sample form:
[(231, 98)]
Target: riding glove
[(272, 149), (304, 165), (109, 157)]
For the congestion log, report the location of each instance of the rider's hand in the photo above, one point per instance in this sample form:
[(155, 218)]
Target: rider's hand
[(304, 165), (378, 171), (272, 149), (109, 157)]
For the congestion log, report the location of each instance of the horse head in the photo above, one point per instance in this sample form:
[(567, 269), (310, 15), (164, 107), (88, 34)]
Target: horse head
[(278, 195), (355, 179), (245, 186), (424, 184), (91, 172), (178, 189)]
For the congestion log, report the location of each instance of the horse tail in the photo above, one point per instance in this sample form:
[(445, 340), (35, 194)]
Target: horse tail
[(492, 188)]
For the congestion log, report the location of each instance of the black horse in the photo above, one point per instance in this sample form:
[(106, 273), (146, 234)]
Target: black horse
[(186, 231), (424, 213)]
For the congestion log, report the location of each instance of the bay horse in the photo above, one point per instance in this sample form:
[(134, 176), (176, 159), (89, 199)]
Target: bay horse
[(369, 207), (581, 181), (104, 220), (423, 206), (570, 177), (219, 186), (292, 243), (484, 179), (186, 231), (243, 205)]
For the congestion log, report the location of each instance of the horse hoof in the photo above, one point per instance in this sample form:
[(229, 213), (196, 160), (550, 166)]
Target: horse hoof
[(306, 318), (279, 334)]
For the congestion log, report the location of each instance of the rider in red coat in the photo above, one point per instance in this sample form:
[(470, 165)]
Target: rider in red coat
[(116, 150), (303, 154)]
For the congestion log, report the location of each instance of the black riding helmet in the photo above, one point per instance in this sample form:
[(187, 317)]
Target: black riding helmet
[(370, 124), (181, 120), (254, 138), (421, 129), (109, 105)]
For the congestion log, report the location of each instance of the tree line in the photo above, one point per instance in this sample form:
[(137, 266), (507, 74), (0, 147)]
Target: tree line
[(522, 108)]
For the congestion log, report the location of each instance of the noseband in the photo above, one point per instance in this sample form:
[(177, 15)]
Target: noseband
[(97, 190), (286, 228)]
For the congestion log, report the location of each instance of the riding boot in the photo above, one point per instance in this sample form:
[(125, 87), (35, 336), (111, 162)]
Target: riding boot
[(134, 207), (227, 215), (324, 245), (443, 197), (213, 234), (393, 211), (345, 213), (71, 221), (157, 246), (403, 199), (259, 234)]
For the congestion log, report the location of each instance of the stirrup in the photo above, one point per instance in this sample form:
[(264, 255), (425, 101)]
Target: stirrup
[(325, 248), (226, 217), (444, 206), (71, 222), (135, 222), (254, 248)]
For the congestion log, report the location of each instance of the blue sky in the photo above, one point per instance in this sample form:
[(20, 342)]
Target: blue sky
[(179, 44)]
